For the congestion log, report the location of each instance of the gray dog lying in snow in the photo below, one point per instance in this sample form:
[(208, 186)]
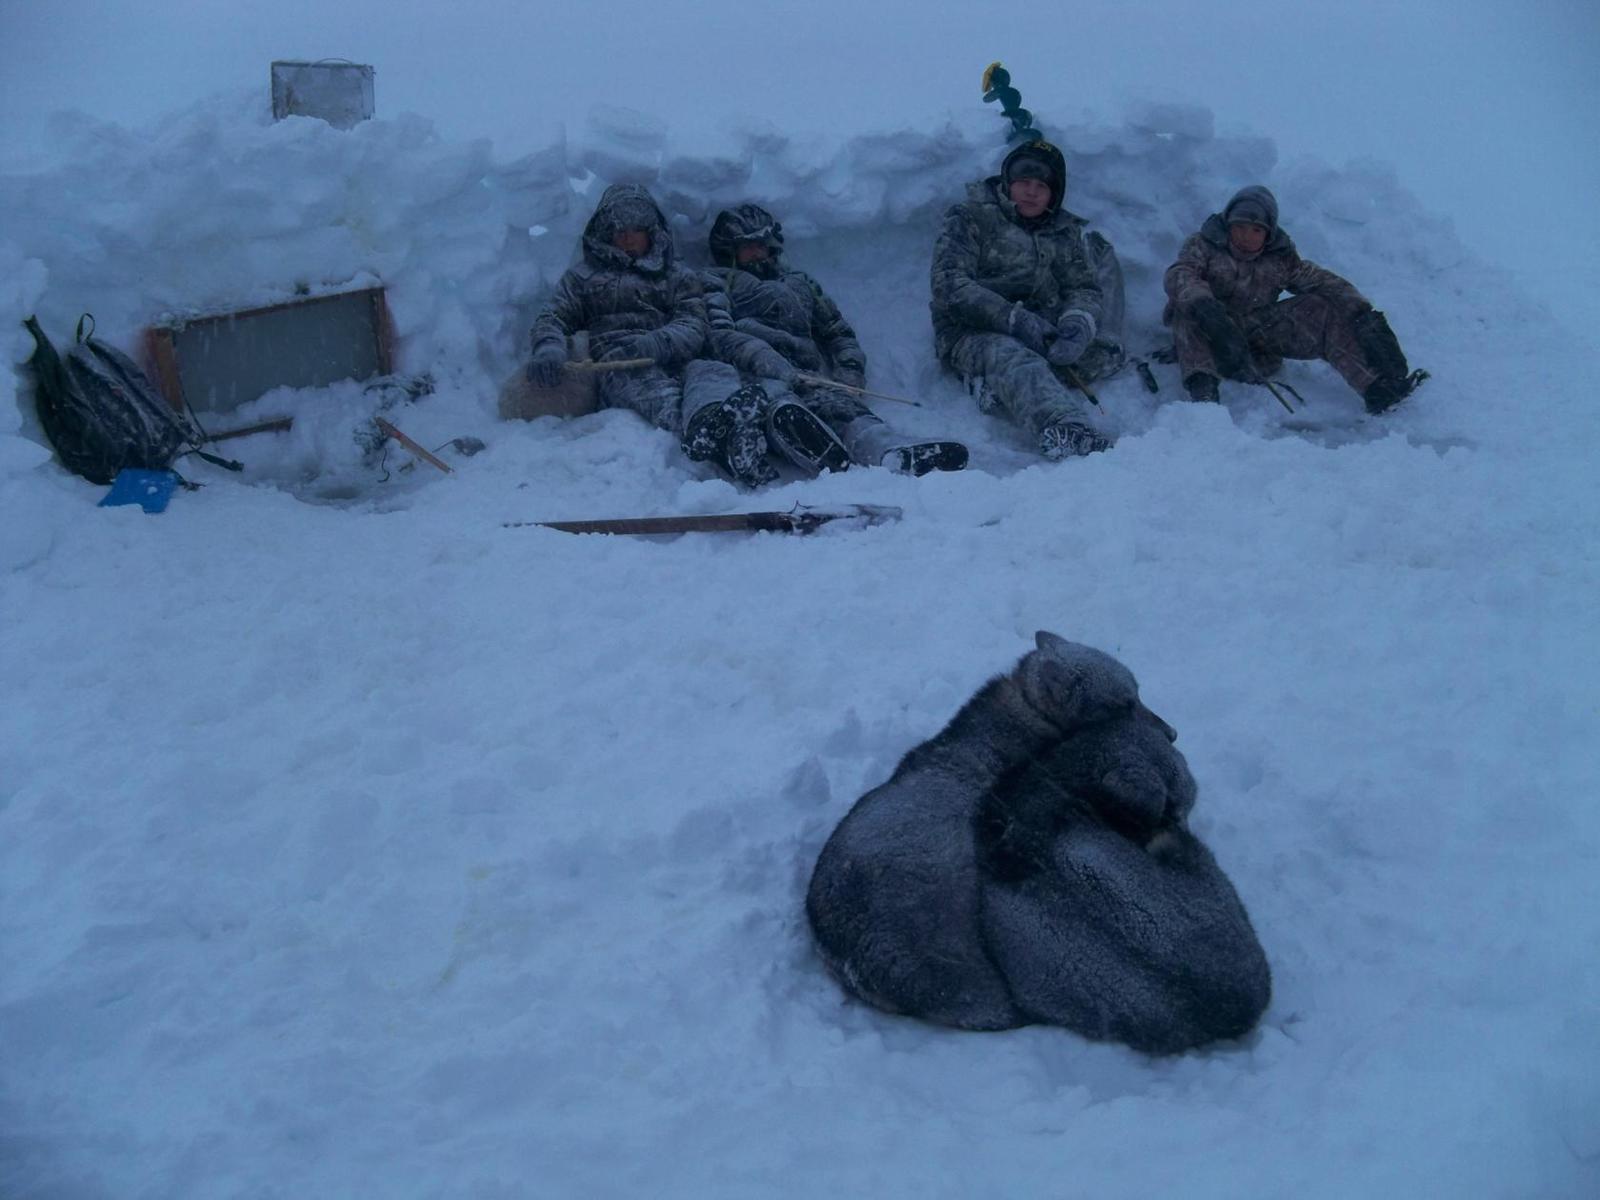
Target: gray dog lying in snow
[(1032, 864)]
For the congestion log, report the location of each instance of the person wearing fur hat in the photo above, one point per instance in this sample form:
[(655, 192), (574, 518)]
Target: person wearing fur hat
[(1228, 321), (1024, 302), (776, 324), (636, 301)]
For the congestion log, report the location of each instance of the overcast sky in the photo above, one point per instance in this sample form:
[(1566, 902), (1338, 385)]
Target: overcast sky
[(1488, 111)]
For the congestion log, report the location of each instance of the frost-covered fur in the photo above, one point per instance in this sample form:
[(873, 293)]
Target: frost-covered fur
[(1031, 864)]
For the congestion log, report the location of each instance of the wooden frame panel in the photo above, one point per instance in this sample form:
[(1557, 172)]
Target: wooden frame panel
[(220, 361)]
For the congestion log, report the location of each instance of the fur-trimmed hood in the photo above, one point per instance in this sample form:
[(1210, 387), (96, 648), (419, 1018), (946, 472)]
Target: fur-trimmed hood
[(747, 223), (628, 206)]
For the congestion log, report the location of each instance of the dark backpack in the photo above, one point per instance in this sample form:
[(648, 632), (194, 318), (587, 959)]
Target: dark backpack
[(101, 412)]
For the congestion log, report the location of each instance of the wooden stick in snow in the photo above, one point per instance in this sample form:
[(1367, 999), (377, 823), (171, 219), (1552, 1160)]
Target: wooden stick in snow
[(388, 430), (823, 381)]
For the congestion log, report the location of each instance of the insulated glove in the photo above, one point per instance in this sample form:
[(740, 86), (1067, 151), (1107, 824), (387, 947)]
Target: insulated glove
[(1074, 332), (544, 370), (1029, 328), (1228, 344)]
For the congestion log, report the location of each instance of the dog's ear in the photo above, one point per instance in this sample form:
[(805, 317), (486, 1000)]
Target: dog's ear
[(1071, 684), (1052, 643)]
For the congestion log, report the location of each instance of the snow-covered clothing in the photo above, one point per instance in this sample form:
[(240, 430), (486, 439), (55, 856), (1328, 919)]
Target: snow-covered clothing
[(780, 306), (989, 259), (1018, 383), (734, 341), (994, 268), (1032, 863), (867, 437), (649, 307), (771, 321), (1314, 323)]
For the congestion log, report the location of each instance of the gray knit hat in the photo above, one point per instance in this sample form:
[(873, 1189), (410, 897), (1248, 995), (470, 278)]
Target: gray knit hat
[(1254, 204)]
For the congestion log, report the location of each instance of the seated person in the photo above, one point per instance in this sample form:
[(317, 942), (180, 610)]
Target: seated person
[(1228, 321), (775, 324), (636, 302), (1020, 300)]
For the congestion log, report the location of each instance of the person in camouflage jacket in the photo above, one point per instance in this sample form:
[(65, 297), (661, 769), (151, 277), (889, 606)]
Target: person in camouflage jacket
[(775, 324), (635, 301), (1228, 321), (1020, 300)]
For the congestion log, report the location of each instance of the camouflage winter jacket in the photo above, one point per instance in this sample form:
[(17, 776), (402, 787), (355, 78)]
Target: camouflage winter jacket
[(772, 307), (617, 298), (989, 258), (1206, 266)]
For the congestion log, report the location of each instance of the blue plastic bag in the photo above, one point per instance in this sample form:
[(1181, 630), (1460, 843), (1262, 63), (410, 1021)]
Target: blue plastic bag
[(150, 490)]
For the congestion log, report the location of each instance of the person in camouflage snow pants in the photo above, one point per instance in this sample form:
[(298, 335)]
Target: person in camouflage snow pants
[(635, 301), (1021, 298), (1228, 321), (774, 324)]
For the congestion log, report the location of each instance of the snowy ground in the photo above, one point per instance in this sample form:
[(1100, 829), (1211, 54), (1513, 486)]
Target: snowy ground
[(353, 844)]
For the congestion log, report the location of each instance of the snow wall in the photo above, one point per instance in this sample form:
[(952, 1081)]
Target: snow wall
[(218, 208)]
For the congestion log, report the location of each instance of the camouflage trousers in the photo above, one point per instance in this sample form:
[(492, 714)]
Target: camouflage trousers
[(1021, 385), (1307, 327), (666, 398)]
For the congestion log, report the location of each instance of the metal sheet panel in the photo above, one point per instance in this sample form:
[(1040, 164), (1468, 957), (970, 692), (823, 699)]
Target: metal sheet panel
[(216, 363), (339, 92)]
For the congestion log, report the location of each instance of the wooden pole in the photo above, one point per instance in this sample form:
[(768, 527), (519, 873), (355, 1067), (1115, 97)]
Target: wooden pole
[(799, 519), (388, 430), (271, 426), (1074, 381), (1271, 387), (823, 381)]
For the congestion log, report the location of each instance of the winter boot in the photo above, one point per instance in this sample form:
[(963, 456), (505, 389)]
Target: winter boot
[(706, 435), (805, 439), (1380, 349), (745, 457), (1384, 393), (1202, 388), (925, 457), (728, 433), (1066, 439)]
